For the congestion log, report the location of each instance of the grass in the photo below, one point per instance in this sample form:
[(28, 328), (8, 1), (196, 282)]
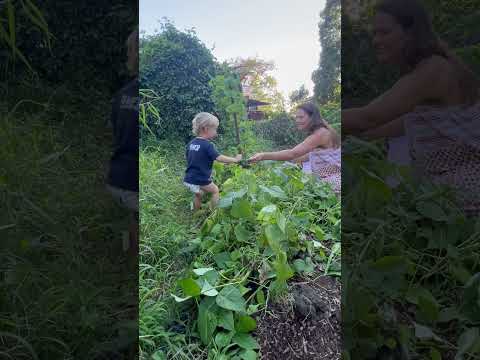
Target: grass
[(64, 289), (166, 226)]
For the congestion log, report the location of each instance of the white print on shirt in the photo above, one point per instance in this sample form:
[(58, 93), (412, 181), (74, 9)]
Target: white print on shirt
[(194, 147), (129, 102)]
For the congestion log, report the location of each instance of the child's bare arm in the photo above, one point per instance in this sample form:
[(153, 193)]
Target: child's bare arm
[(229, 160)]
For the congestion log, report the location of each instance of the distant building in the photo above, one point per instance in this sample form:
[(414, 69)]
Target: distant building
[(253, 110)]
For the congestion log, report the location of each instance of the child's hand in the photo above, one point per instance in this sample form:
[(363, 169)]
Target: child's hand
[(238, 157)]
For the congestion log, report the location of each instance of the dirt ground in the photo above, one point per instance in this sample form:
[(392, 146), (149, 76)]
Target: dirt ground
[(305, 326)]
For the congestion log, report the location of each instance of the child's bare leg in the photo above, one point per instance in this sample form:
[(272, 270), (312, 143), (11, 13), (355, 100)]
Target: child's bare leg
[(197, 201), (212, 189)]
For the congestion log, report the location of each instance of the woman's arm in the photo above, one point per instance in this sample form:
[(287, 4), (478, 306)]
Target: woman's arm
[(318, 139), (424, 83), (229, 160)]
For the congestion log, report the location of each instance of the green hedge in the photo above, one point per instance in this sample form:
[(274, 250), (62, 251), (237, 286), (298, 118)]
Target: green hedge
[(178, 67)]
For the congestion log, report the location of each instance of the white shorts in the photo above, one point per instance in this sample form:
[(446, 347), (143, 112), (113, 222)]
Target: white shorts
[(126, 198), (193, 188)]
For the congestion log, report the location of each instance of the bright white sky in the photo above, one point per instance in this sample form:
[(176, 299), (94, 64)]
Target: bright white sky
[(285, 31)]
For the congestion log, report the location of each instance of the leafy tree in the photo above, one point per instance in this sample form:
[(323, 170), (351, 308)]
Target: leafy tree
[(229, 103), (327, 77), (178, 67), (299, 96), (255, 73)]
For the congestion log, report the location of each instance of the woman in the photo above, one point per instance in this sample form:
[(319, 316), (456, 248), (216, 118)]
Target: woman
[(432, 111), (320, 136), (432, 76)]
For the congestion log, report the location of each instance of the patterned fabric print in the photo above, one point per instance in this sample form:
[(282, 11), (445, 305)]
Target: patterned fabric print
[(445, 148), (326, 164)]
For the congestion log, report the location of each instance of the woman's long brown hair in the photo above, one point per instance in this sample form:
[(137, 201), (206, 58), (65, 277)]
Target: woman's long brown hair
[(424, 43), (318, 122)]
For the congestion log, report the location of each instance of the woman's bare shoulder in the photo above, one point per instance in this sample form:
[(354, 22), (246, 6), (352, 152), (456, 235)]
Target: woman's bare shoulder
[(434, 66), (321, 137)]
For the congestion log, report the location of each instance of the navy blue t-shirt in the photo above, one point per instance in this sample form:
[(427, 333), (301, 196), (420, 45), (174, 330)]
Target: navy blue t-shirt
[(124, 120), (200, 154)]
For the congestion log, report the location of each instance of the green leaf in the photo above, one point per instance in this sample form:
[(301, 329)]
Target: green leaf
[(231, 298), (299, 265), (248, 355), (391, 343), (245, 341), (211, 276), (319, 233), (207, 320), (390, 264), (260, 297), (221, 259), (208, 290), (470, 306), (431, 210), (242, 233), (227, 200), (435, 354), (252, 309), (466, 342), (266, 212), (190, 287), (241, 209), (274, 191), (427, 304), (206, 227), (274, 236), (225, 320), (281, 221), (282, 269), (223, 339), (424, 332), (202, 271), (428, 307), (448, 314), (245, 324), (303, 265)]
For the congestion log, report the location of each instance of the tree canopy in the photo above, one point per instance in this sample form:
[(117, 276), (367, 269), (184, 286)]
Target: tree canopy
[(327, 77), (178, 67)]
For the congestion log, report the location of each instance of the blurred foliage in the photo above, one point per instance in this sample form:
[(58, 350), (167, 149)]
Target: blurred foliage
[(280, 129), (9, 29), (70, 41)]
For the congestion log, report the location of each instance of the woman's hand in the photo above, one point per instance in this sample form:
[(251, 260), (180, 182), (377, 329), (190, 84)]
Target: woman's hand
[(257, 157)]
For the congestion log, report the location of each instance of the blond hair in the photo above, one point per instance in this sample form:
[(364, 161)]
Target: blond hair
[(132, 51), (203, 120)]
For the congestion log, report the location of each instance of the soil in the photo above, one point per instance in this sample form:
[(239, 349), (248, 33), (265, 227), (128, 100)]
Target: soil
[(307, 325)]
